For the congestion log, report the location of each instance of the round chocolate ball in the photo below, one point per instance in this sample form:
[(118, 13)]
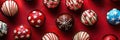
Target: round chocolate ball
[(36, 18), (113, 16), (110, 37), (3, 29), (82, 35), (9, 8), (22, 32), (89, 17), (51, 3), (64, 22), (74, 4), (50, 36)]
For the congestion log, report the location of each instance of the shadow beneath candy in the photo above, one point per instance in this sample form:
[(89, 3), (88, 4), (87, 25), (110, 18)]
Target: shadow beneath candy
[(3, 37), (12, 19), (99, 3), (115, 27), (23, 39), (77, 12), (116, 2), (54, 11), (31, 3)]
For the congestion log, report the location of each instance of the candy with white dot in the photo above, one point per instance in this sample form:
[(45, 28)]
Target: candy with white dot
[(113, 16), (36, 18)]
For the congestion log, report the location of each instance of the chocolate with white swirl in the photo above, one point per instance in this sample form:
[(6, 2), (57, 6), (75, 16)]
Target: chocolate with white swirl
[(50, 36), (64, 22), (82, 35)]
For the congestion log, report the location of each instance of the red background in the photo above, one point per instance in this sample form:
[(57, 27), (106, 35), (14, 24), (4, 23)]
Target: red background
[(101, 28)]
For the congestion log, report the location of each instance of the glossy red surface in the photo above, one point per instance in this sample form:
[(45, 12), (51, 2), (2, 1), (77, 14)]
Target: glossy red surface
[(101, 28)]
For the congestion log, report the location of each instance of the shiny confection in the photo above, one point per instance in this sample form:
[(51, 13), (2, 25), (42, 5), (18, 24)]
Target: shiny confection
[(89, 17), (3, 29), (22, 32), (74, 4), (110, 37), (82, 35), (36, 18), (64, 22), (51, 3), (9, 8), (113, 16), (50, 36)]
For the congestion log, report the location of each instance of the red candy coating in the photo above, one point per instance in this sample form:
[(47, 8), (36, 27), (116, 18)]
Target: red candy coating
[(110, 37), (36, 18), (22, 32)]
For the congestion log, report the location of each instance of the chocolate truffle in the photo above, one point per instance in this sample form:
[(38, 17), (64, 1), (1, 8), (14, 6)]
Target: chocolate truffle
[(82, 35), (51, 3), (36, 18), (22, 32), (64, 22), (9, 8), (74, 4), (3, 29), (113, 16), (50, 36), (89, 17), (110, 37)]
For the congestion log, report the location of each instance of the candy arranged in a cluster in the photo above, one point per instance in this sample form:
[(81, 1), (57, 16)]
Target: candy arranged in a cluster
[(74, 4), (110, 37), (64, 22), (82, 35), (22, 32), (9, 8), (89, 17), (51, 3), (36, 18), (113, 16), (3, 29), (50, 36)]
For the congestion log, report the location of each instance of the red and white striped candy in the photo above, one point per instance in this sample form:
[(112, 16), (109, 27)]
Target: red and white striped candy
[(36, 18), (74, 4), (50, 36), (51, 3), (9, 8), (89, 17), (82, 35), (21, 32)]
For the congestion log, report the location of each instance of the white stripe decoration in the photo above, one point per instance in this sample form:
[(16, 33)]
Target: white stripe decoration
[(50, 36), (9, 8), (74, 4), (51, 3), (82, 35), (89, 17)]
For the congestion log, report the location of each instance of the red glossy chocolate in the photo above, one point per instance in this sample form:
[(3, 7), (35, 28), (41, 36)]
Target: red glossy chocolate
[(36, 18), (110, 37), (22, 32)]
